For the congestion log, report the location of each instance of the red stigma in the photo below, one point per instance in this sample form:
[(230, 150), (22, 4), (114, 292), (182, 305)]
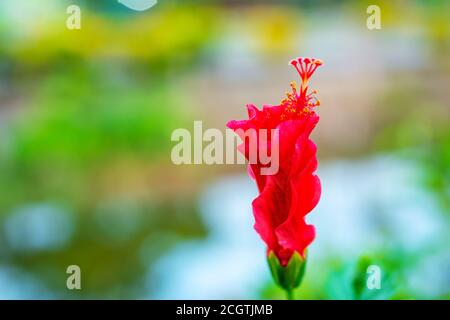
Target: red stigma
[(305, 68)]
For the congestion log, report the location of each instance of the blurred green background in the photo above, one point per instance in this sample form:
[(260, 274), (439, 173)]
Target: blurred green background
[(86, 118)]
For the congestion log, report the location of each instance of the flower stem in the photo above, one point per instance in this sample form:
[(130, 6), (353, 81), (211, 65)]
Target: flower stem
[(290, 294)]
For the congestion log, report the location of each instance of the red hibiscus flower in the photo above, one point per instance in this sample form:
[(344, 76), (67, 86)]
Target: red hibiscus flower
[(287, 196)]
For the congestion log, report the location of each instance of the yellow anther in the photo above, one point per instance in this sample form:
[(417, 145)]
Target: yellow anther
[(293, 85)]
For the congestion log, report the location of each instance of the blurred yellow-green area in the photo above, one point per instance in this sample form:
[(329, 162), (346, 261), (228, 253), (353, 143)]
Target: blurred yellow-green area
[(86, 117)]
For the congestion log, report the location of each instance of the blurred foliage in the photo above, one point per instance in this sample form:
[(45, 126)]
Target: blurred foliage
[(349, 282), (89, 134), (114, 245), (77, 123), (435, 160), (89, 142), (158, 38), (423, 135)]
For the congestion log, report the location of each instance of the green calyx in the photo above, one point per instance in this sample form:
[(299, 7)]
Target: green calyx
[(290, 276)]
